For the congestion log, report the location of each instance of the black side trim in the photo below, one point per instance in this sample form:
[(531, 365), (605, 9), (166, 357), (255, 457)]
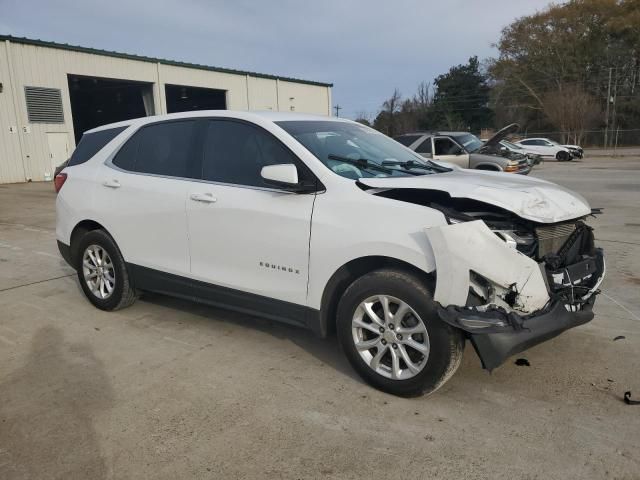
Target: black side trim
[(177, 286), (65, 251)]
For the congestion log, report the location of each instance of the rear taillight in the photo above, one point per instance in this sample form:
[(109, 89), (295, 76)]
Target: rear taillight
[(58, 182)]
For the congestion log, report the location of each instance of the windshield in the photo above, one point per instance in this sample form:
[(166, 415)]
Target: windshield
[(356, 151), (470, 142), (508, 144)]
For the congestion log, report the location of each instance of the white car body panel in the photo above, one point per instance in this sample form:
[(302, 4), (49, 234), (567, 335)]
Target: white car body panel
[(544, 150), (251, 239), (349, 213), (147, 216), (471, 246), (529, 198)]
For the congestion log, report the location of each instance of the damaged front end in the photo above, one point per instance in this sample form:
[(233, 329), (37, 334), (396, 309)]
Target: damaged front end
[(515, 264), (522, 283)]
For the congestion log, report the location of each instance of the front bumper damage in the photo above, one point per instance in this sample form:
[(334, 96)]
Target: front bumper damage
[(505, 301)]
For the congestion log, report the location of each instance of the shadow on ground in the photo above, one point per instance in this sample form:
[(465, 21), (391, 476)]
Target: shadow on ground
[(325, 350), (47, 409)]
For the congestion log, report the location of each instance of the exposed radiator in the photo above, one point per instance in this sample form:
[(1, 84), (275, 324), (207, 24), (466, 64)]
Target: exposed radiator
[(551, 238)]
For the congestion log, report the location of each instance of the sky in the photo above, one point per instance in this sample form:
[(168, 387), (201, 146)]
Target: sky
[(365, 48)]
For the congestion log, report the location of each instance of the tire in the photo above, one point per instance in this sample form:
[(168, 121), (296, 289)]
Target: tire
[(562, 156), (434, 365), (112, 269)]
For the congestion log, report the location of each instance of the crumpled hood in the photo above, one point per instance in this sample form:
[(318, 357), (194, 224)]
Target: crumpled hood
[(529, 198)]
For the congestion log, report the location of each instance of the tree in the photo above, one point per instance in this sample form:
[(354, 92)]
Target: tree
[(568, 50), (461, 99), (387, 121), (573, 110), (363, 118)]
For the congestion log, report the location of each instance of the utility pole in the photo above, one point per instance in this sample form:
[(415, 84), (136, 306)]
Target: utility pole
[(606, 120), (338, 108)]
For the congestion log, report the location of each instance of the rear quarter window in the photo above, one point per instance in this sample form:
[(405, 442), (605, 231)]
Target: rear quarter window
[(407, 140), (92, 143)]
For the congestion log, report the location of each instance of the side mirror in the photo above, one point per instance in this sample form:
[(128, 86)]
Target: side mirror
[(458, 151), (284, 175)]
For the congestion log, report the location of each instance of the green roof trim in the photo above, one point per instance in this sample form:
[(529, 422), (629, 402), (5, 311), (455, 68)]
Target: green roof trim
[(142, 58)]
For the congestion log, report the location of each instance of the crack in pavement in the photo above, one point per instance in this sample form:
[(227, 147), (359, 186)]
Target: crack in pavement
[(37, 282)]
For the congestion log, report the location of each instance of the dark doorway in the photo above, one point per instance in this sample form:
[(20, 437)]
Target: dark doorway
[(97, 101), (181, 98)]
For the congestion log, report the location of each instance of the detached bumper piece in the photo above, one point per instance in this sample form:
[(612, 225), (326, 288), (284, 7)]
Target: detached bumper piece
[(497, 343), (573, 274)]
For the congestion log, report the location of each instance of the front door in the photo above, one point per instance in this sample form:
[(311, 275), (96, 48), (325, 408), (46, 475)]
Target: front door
[(447, 150), (59, 150), (243, 234)]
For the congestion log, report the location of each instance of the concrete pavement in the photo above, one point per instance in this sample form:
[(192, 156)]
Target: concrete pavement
[(169, 389)]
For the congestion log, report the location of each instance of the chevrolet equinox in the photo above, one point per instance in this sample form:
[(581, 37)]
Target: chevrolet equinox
[(327, 224)]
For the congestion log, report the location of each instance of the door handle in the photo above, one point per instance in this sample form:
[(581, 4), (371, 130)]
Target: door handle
[(203, 197), (111, 183)]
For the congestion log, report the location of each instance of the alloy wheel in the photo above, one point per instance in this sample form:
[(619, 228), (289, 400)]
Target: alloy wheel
[(390, 337), (98, 271)]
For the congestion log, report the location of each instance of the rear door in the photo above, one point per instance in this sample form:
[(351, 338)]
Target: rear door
[(447, 150), (244, 234), (141, 195)]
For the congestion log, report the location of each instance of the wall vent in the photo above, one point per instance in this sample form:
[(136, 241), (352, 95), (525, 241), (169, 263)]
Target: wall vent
[(44, 105)]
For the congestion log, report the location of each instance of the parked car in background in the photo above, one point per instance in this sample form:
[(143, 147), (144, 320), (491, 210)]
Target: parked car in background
[(330, 225), (547, 148), (499, 146), (534, 158), (462, 149), (576, 150)]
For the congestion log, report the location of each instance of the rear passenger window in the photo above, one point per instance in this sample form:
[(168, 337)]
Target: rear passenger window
[(160, 149), (92, 143), (165, 149), (424, 147), (235, 153)]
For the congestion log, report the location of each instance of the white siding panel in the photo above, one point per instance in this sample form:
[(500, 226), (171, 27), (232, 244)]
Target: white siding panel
[(48, 67), (303, 98), (263, 94), (11, 170), (43, 66)]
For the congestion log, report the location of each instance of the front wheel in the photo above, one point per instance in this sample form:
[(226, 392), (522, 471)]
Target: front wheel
[(562, 156), (389, 330)]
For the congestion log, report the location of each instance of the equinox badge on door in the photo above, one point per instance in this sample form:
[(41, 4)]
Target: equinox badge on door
[(282, 268)]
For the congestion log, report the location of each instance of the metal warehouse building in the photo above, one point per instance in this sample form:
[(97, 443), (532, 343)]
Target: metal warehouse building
[(50, 93)]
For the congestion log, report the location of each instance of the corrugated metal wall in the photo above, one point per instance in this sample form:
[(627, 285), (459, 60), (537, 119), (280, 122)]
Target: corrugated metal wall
[(38, 66)]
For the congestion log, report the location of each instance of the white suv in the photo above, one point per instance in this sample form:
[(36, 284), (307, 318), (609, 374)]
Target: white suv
[(327, 224)]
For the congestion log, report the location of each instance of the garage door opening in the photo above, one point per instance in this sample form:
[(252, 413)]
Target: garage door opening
[(181, 98), (97, 101)]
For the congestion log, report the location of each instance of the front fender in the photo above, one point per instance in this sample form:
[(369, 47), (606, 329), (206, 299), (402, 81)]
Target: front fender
[(517, 281)]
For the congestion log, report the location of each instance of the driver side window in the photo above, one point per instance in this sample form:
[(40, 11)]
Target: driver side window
[(235, 152), (445, 146)]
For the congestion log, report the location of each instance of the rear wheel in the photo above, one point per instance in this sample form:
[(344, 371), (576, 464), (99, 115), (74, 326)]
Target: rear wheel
[(389, 330), (102, 272), (562, 156)]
